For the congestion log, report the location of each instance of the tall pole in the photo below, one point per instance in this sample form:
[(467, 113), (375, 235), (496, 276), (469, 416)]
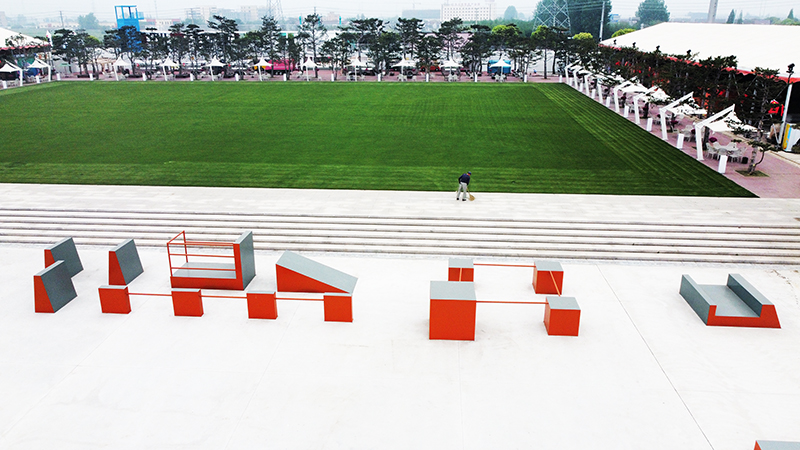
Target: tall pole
[(602, 20)]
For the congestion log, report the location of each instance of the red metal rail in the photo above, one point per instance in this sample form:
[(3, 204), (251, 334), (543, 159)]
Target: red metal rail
[(183, 242)]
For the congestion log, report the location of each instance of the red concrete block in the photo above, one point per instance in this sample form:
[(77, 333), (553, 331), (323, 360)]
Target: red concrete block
[(115, 299), (115, 276), (41, 301), (453, 320), (338, 307), (187, 302), (262, 305), (452, 313), (460, 274), (548, 277), (562, 316), (460, 269)]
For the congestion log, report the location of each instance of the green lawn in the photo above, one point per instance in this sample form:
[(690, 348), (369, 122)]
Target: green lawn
[(406, 136)]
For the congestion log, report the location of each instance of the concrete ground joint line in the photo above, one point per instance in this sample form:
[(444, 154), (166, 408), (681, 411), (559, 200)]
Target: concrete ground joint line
[(461, 397), (260, 380), (652, 353)]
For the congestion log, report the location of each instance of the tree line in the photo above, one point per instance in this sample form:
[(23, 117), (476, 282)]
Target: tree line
[(371, 39)]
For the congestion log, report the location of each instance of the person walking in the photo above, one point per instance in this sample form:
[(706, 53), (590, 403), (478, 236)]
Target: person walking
[(463, 186)]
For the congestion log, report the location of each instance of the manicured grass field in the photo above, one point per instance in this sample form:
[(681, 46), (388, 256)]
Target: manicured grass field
[(405, 136)]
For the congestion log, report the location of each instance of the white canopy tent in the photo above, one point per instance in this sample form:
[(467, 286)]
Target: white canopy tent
[(356, 63), (214, 63), (261, 63), (450, 64), (729, 123), (167, 63), (636, 99), (501, 63), (309, 64), (616, 90), (11, 68), (39, 64), (404, 63), (120, 63)]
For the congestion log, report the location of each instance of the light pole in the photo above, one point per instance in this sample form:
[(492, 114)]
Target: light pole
[(790, 70)]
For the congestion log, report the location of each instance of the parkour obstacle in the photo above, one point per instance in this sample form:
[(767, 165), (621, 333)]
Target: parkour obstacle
[(189, 268), (736, 304), (453, 304), (295, 273), (52, 287)]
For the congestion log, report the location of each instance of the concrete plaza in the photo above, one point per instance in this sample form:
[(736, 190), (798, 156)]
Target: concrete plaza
[(645, 371)]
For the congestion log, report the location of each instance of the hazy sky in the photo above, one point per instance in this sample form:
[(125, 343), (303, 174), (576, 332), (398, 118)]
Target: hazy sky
[(164, 9)]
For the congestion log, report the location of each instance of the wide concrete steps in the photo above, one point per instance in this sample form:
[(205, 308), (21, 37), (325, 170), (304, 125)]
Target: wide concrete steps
[(501, 238)]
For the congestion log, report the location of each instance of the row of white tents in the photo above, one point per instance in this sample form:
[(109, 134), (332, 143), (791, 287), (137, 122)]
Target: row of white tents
[(724, 121), (9, 67)]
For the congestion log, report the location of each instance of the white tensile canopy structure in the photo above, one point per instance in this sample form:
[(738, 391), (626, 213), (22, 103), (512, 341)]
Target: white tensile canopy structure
[(39, 64), (729, 123), (309, 64), (450, 64), (11, 68), (168, 63), (766, 46), (119, 63), (261, 63), (403, 63), (356, 63), (500, 63), (688, 110), (214, 63)]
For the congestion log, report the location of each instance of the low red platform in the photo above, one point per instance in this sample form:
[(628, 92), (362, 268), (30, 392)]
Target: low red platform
[(548, 277), (562, 316), (262, 305), (460, 269), (338, 307), (115, 299), (452, 310), (187, 302)]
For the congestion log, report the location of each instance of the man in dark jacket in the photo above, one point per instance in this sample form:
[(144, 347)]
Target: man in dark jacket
[(463, 186)]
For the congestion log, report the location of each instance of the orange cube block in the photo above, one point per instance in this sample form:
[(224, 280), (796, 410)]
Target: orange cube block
[(262, 305), (562, 316), (460, 269), (115, 299), (453, 308), (548, 277), (187, 302), (338, 307)]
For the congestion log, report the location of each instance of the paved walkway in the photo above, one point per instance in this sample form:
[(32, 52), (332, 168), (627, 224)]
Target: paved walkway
[(645, 371)]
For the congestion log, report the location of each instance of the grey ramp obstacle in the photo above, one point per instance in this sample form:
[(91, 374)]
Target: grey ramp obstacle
[(64, 250), (53, 288), (777, 445), (317, 271), (247, 257), (127, 263)]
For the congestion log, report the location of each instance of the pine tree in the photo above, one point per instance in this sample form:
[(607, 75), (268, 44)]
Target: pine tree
[(791, 14), (740, 19), (731, 17)]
